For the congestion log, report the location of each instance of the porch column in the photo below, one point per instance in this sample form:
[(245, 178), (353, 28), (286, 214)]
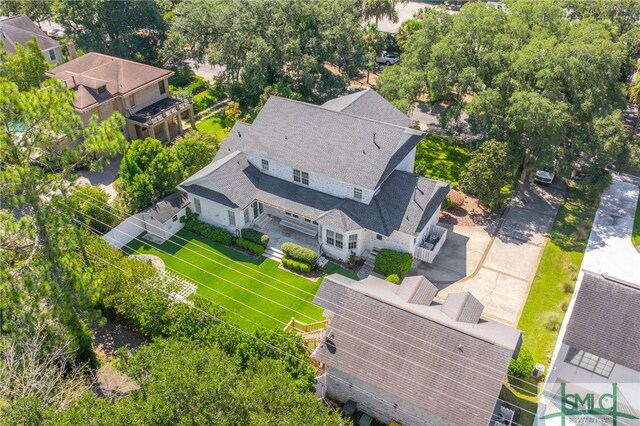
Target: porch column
[(166, 129), (192, 118), (152, 132), (179, 120)]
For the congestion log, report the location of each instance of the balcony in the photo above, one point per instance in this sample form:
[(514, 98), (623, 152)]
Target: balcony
[(161, 110)]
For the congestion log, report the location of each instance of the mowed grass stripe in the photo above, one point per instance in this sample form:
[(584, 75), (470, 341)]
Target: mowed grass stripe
[(247, 284)]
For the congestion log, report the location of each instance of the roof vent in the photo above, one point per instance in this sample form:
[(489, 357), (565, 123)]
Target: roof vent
[(463, 307), (418, 290), (285, 137), (374, 141), (239, 135)]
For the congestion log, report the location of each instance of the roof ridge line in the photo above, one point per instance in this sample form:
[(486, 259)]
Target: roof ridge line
[(339, 112)]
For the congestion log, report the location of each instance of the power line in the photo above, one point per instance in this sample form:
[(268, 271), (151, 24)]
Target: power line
[(209, 250), (356, 356)]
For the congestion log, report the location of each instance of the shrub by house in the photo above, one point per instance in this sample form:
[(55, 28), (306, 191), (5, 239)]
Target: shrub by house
[(219, 235), (255, 236), (296, 265), (390, 262), (257, 249), (299, 253)]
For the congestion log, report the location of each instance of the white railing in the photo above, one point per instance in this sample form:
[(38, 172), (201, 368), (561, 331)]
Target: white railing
[(428, 250)]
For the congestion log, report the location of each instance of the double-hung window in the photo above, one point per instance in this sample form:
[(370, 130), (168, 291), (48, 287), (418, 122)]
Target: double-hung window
[(162, 87), (335, 239), (301, 177), (196, 202), (357, 194), (232, 217), (52, 55), (353, 242), (246, 216), (265, 165)]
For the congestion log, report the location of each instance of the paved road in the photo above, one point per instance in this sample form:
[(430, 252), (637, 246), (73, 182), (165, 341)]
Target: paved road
[(508, 264)]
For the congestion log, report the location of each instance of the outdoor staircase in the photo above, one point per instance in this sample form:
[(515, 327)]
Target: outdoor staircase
[(370, 259), (312, 335), (262, 221), (322, 261), (273, 253)]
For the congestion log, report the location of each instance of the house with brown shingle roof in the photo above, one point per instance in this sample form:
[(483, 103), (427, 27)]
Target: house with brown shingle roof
[(104, 84), (19, 29)]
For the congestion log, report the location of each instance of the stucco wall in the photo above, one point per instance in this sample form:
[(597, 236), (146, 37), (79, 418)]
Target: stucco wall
[(146, 96), (316, 181), (376, 402)]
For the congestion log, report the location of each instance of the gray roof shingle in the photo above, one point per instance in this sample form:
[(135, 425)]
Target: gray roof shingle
[(20, 29), (414, 352), (312, 138), (168, 207), (605, 321), (405, 201), (369, 104)]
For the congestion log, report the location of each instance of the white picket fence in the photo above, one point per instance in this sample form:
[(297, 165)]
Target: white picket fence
[(122, 234)]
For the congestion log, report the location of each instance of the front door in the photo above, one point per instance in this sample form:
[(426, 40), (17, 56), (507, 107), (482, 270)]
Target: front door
[(258, 209)]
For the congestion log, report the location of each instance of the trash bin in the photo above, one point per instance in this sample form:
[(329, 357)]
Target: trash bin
[(538, 371), (349, 408)]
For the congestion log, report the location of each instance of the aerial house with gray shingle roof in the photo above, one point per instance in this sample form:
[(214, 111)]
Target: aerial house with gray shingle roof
[(340, 174), (18, 30), (399, 354)]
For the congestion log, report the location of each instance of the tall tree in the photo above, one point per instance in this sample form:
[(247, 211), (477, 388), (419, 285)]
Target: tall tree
[(379, 9), (26, 67), (132, 30), (374, 40)]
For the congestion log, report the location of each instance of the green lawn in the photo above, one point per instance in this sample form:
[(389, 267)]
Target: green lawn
[(251, 290), (439, 157), (558, 269), (206, 98), (216, 125), (635, 236)]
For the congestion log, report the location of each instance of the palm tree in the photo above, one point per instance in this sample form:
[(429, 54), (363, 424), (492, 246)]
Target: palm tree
[(379, 9), (374, 42)]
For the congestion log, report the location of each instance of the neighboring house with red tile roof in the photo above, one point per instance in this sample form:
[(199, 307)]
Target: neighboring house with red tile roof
[(17, 30), (104, 84)]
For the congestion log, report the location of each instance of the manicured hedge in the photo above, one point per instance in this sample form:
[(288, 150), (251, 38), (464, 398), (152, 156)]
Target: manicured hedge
[(255, 236), (213, 233), (299, 253), (393, 278), (257, 249), (390, 262), (295, 265)]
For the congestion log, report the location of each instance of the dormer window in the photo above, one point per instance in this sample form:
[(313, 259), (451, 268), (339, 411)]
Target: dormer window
[(101, 89), (357, 194), (301, 177), (265, 165)]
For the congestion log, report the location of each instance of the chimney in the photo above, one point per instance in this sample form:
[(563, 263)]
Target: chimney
[(463, 307), (71, 47), (418, 290)]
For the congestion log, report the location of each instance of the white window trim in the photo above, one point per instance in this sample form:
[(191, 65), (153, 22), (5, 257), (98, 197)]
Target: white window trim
[(231, 217), (197, 205), (357, 194), (355, 247), (334, 239), (299, 177)]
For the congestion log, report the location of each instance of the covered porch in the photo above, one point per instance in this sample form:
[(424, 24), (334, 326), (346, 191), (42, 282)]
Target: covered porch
[(278, 231), (164, 120)]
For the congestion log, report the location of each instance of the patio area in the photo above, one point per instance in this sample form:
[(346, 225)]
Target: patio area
[(279, 234)]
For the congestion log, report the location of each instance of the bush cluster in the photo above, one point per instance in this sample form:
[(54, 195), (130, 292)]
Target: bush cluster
[(389, 262), (257, 249), (522, 366), (213, 233), (295, 265), (299, 253), (393, 278), (255, 236)]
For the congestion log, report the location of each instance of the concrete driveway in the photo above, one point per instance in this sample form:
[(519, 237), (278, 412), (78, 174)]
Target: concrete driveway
[(506, 267)]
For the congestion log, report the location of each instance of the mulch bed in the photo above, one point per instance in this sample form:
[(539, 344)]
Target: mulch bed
[(467, 212)]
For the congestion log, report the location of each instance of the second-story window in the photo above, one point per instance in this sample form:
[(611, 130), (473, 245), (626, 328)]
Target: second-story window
[(132, 101), (265, 165), (52, 55), (162, 87), (301, 177), (102, 89), (357, 194)]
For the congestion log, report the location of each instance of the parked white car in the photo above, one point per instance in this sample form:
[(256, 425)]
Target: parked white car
[(388, 59), (546, 175)]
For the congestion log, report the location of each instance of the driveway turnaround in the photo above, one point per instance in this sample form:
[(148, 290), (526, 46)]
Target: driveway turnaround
[(509, 263)]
